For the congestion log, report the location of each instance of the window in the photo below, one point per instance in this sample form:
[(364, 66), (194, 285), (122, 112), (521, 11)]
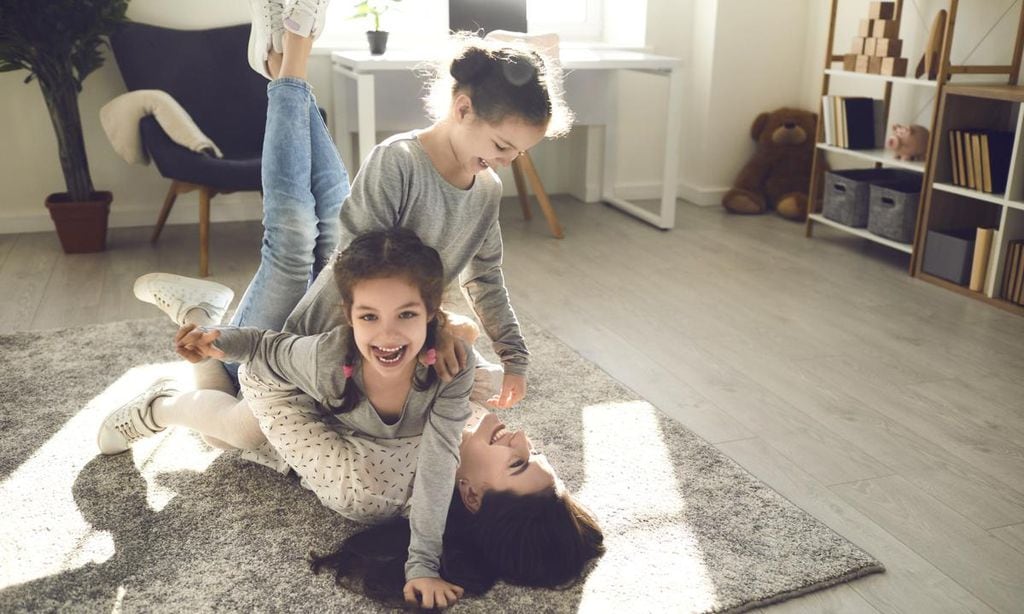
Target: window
[(572, 19), (414, 23)]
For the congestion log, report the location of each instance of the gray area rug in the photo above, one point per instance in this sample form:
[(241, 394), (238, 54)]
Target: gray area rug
[(177, 526)]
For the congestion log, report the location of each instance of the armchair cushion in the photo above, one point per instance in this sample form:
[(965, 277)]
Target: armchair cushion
[(177, 162)]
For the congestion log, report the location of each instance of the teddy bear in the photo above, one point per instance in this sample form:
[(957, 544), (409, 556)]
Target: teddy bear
[(778, 175)]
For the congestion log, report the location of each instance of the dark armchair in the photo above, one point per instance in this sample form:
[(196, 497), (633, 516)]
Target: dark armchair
[(208, 73)]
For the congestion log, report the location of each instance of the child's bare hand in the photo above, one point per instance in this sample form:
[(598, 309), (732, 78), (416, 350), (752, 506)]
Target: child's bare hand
[(195, 343), (513, 389), (430, 593)]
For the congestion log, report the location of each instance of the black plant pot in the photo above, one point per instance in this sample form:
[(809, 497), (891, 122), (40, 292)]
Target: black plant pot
[(378, 40)]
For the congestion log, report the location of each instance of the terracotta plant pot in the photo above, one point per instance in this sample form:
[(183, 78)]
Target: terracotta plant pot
[(378, 40), (81, 226)]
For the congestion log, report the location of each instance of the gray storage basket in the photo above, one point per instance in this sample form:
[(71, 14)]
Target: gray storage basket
[(847, 192), (949, 255), (892, 209)]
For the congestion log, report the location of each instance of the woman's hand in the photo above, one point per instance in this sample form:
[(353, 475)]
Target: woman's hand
[(195, 343), (430, 593), (513, 389)]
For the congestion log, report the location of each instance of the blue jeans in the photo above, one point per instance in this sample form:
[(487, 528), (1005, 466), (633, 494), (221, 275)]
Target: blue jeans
[(304, 184)]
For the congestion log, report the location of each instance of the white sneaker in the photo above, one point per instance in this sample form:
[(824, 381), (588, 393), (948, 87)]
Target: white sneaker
[(133, 420), (266, 33), (176, 295), (306, 17)]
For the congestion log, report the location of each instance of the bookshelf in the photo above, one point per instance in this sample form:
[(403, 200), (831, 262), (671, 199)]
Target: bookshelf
[(882, 158), (950, 207), (879, 158)]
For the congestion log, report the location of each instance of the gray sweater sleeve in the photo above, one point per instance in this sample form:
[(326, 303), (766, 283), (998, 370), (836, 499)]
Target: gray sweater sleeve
[(484, 285), (282, 357), (435, 473)]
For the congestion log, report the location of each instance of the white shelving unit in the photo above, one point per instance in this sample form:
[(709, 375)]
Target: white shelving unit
[(1011, 204), (877, 157), (951, 207)]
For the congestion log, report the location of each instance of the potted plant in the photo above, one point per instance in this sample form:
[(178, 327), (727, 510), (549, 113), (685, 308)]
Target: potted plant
[(377, 38), (58, 42)]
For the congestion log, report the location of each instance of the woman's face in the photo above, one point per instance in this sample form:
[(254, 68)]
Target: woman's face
[(389, 321), (495, 458), (479, 145)]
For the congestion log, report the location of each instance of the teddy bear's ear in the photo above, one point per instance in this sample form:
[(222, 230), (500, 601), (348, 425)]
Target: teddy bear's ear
[(758, 126)]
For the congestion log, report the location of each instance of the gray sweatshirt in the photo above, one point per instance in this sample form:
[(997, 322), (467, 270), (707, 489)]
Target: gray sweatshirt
[(397, 185), (313, 364)]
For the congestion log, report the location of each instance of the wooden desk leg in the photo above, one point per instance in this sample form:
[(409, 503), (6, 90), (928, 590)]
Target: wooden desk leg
[(205, 194), (524, 197), (542, 197)]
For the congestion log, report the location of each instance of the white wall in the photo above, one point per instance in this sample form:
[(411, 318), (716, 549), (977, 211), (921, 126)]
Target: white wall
[(741, 57)]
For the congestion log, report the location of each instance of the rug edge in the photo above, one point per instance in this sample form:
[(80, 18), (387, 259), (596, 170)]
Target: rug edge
[(855, 574)]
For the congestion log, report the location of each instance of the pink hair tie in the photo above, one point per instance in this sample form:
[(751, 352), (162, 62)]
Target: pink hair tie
[(347, 370), (431, 356)]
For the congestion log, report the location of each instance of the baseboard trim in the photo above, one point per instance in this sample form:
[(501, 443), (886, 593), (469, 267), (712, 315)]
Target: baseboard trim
[(651, 190), (238, 207)]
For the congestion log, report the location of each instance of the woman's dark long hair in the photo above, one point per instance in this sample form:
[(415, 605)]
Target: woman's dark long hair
[(544, 539), (395, 252)]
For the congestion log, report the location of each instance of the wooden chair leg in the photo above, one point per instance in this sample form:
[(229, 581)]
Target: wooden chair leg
[(172, 195), (524, 197), (542, 197), (205, 194)]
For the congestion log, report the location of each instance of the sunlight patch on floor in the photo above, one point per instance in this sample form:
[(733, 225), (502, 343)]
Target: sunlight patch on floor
[(631, 484), (43, 531)]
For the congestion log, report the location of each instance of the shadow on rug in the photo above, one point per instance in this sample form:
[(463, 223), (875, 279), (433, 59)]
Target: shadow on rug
[(176, 525)]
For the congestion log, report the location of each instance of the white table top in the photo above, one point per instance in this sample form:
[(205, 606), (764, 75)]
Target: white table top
[(360, 60)]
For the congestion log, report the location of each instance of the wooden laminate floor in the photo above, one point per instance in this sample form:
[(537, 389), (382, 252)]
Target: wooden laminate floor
[(890, 409)]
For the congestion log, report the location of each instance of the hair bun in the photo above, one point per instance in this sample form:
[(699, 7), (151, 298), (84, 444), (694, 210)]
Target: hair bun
[(471, 66), (518, 70)]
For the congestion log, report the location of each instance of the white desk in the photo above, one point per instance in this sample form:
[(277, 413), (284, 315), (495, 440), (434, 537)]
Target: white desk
[(591, 87)]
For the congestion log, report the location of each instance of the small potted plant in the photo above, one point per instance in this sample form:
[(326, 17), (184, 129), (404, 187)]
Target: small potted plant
[(58, 42), (377, 38)]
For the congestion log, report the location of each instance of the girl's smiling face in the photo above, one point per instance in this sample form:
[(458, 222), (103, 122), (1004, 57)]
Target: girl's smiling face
[(478, 145), (389, 323)]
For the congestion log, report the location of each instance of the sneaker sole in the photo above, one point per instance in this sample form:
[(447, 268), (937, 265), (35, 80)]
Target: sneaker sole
[(221, 293)]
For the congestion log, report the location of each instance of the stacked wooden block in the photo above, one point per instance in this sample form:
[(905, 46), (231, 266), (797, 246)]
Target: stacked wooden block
[(877, 46)]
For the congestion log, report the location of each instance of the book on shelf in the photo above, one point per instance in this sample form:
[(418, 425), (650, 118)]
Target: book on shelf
[(1011, 269), (1018, 275), (979, 266), (853, 122), (960, 157), (954, 172), (980, 159), (993, 264), (997, 148), (968, 158), (976, 157), (827, 120)]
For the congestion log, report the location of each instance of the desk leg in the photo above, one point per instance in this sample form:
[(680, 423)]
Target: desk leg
[(673, 130), (342, 131), (665, 218), (367, 115)]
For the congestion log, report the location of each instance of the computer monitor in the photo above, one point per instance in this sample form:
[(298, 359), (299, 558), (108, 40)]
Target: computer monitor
[(483, 16)]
